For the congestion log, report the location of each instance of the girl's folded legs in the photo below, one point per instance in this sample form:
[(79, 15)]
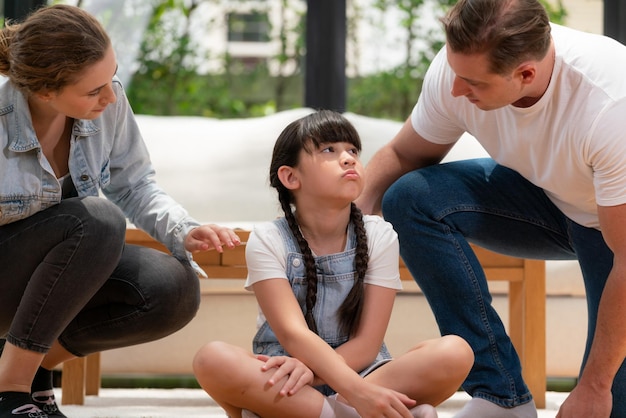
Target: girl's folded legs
[(333, 408), (336, 409)]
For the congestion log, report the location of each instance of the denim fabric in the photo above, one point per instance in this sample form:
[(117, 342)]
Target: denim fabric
[(438, 210), (74, 280), (107, 155), (335, 276)]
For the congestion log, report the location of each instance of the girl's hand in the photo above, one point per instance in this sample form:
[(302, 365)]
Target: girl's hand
[(209, 237), (373, 401), (298, 375)]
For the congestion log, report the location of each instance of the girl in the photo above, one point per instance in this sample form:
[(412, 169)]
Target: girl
[(325, 278), (68, 284)]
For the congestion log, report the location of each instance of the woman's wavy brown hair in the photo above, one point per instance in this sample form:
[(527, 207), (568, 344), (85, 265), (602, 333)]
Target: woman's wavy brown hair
[(51, 48)]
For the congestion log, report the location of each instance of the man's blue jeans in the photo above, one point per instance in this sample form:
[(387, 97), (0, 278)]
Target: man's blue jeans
[(438, 210)]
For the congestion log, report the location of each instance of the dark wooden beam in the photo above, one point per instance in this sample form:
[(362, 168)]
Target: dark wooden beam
[(615, 19), (325, 61), (18, 9)]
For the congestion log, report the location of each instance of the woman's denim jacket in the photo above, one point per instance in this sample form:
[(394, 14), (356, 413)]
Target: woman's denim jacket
[(107, 155)]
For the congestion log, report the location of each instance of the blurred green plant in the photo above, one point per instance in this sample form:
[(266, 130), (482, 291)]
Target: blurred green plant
[(168, 80)]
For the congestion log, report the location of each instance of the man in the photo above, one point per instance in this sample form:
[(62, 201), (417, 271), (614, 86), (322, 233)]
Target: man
[(548, 104)]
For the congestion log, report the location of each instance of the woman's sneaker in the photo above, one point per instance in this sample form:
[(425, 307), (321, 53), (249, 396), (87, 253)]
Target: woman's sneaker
[(45, 401), (19, 405)]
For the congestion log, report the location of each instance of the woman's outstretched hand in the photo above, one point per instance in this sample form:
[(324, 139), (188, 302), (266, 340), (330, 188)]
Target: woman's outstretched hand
[(211, 237)]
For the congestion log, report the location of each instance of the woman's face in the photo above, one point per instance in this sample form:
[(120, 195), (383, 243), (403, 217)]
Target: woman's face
[(91, 94)]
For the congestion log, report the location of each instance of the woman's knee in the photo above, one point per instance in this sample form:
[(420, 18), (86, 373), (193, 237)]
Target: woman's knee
[(177, 297), (106, 217), (97, 218)]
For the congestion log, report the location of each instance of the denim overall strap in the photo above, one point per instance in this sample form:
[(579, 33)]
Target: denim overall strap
[(335, 279)]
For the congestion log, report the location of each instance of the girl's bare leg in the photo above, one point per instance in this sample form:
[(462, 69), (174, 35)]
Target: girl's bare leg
[(430, 372), (233, 378)]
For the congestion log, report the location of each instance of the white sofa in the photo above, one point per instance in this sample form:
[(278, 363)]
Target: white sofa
[(218, 168)]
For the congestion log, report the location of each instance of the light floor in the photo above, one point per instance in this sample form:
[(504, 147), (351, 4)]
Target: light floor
[(194, 403)]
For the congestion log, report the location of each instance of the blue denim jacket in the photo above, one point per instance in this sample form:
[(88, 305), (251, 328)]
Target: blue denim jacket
[(107, 155)]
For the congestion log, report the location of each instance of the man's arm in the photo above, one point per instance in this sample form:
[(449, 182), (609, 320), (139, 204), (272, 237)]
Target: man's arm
[(407, 151), (592, 395)]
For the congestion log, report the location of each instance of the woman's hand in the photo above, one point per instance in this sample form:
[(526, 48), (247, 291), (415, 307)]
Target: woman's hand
[(298, 374), (211, 237)]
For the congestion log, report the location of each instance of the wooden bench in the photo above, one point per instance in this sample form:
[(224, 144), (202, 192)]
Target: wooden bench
[(527, 312)]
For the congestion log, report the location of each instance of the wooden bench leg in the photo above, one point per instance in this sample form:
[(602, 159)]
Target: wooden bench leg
[(73, 382), (527, 326), (80, 377), (93, 375)]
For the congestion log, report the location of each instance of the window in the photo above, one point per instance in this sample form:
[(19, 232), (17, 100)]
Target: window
[(249, 27)]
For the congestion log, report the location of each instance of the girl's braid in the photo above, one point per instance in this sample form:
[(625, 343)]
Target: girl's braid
[(309, 262), (350, 310)]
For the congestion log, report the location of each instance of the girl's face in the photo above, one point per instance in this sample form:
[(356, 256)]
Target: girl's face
[(91, 94), (331, 172)]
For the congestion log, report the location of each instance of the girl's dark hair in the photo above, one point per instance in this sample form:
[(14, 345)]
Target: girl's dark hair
[(508, 31), (51, 48), (307, 134)]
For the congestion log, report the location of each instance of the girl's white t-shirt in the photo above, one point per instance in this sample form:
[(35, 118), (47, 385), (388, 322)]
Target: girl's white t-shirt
[(571, 142), (266, 256)]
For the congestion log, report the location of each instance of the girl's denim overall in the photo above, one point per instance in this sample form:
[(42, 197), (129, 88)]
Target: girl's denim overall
[(335, 276)]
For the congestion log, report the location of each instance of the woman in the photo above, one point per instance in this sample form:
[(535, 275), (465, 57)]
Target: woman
[(69, 286)]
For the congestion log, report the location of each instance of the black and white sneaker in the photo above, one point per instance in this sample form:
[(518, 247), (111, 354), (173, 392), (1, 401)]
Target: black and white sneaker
[(45, 401), (19, 405)]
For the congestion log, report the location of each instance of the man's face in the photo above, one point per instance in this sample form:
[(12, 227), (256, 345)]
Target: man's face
[(474, 81)]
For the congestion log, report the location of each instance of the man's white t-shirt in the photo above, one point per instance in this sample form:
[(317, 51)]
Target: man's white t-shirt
[(571, 143)]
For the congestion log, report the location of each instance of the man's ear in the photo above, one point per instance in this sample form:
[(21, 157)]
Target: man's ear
[(288, 176), (527, 72)]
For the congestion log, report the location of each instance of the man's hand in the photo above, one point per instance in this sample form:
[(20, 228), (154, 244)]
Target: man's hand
[(585, 402)]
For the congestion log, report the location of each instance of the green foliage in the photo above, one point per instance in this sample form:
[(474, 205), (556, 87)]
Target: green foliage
[(223, 95), (387, 94), (556, 12), (392, 94), (168, 81)]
